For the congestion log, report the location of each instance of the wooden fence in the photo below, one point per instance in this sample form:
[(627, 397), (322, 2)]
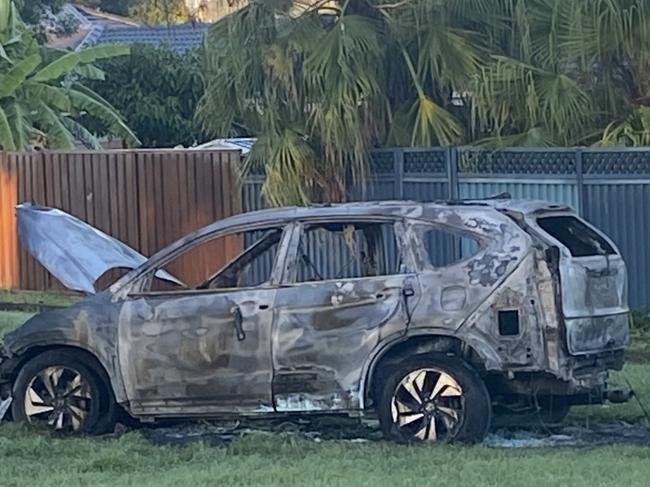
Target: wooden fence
[(145, 198)]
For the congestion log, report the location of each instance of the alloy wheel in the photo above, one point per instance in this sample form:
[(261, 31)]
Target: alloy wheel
[(428, 405), (58, 398)]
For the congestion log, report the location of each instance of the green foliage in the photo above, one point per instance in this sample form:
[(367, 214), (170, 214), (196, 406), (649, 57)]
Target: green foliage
[(148, 11), (31, 10), (118, 7), (640, 322), (159, 11), (422, 72), (157, 90), (67, 25), (41, 93)]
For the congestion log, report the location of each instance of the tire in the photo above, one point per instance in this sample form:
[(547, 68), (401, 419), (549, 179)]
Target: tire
[(61, 391), (434, 398)]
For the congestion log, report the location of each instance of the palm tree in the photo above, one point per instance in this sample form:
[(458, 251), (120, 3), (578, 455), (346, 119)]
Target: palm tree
[(41, 93), (574, 73), (320, 90)]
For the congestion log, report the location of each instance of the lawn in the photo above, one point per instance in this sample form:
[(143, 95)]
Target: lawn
[(31, 458)]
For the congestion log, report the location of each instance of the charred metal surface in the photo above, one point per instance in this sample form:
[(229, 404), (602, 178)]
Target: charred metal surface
[(289, 346), (329, 329), (183, 354), (73, 251)]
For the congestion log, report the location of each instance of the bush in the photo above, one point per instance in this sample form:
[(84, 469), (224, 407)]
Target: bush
[(157, 89), (640, 321), (66, 25)]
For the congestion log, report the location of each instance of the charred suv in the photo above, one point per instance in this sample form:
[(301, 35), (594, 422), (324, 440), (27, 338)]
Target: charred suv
[(429, 316)]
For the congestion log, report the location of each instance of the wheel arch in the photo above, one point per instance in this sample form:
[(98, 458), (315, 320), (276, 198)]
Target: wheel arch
[(91, 360), (393, 351)]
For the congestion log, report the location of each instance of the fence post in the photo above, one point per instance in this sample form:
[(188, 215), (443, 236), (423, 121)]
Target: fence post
[(451, 157), (398, 168), (580, 182)]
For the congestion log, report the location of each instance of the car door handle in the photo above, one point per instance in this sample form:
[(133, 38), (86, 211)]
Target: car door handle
[(239, 321)]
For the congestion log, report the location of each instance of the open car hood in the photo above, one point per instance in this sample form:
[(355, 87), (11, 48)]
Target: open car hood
[(76, 253)]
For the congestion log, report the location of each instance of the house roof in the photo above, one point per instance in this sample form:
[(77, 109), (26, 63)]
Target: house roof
[(98, 17), (181, 38)]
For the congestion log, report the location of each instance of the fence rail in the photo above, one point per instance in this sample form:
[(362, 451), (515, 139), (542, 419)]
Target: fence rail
[(145, 198)]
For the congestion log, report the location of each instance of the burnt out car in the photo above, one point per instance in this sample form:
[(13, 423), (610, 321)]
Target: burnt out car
[(427, 316)]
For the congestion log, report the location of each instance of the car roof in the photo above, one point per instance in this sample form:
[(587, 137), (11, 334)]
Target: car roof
[(406, 208)]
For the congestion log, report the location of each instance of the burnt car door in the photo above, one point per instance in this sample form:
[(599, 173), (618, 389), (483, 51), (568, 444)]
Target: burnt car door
[(593, 282), (205, 348), (349, 284)]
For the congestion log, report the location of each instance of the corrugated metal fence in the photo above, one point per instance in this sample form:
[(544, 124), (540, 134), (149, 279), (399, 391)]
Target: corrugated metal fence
[(145, 198), (609, 187)]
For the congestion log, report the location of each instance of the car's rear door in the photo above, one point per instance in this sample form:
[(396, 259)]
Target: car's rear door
[(351, 285), (593, 283)]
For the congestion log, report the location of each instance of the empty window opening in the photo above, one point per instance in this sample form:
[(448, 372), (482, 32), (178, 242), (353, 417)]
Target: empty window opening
[(237, 260), (579, 238), (347, 250), (444, 248)]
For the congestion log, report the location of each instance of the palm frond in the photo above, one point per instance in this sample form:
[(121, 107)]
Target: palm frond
[(433, 123)]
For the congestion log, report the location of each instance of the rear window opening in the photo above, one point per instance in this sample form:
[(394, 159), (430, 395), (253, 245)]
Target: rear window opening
[(579, 238)]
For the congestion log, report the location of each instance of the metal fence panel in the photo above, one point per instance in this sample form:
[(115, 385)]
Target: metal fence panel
[(556, 191), (617, 200), (621, 211), (609, 187)]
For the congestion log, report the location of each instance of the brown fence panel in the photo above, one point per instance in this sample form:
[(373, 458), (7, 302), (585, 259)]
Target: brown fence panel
[(9, 271), (145, 198)]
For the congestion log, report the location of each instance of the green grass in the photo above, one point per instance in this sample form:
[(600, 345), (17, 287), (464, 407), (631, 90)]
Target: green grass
[(10, 320), (38, 297), (31, 458)]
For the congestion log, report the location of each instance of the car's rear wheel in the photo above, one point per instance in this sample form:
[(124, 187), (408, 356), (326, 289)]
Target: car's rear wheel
[(434, 398), (58, 390)]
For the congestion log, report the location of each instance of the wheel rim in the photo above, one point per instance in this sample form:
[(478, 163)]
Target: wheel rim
[(428, 405), (58, 398)]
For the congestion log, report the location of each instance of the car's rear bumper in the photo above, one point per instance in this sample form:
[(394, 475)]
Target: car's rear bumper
[(597, 334)]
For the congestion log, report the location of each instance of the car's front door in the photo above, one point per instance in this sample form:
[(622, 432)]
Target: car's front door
[(205, 349), (350, 287)]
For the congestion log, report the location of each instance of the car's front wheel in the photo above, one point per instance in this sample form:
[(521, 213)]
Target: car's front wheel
[(59, 391), (434, 398)]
